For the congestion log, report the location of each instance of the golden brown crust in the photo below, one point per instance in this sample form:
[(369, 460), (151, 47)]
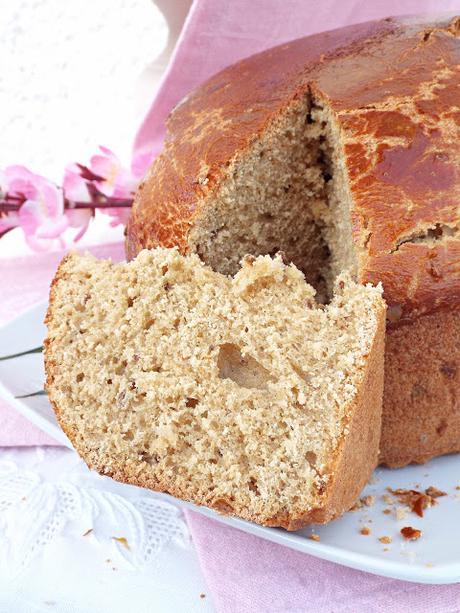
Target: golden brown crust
[(422, 408), (358, 446), (394, 86), (218, 121), (50, 362), (400, 130)]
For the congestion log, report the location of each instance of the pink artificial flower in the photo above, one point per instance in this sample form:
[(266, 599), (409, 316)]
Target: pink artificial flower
[(19, 181), (46, 211), (41, 216), (118, 182), (76, 190), (74, 185), (8, 221), (119, 216), (15, 181)]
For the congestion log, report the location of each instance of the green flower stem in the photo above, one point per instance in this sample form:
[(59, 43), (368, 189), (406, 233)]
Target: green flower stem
[(18, 355), (39, 393)]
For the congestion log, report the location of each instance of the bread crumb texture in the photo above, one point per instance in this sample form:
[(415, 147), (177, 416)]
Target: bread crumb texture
[(233, 392)]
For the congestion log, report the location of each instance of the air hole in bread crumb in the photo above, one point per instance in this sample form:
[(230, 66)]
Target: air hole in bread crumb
[(149, 458), (128, 436), (242, 370), (164, 269), (191, 402), (80, 377), (222, 505), (253, 487), (148, 324), (311, 458), (265, 217), (301, 373)]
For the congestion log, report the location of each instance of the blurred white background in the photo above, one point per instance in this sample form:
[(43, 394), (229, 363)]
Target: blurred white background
[(75, 75)]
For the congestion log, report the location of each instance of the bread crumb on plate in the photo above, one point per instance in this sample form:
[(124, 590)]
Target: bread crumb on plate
[(411, 534)]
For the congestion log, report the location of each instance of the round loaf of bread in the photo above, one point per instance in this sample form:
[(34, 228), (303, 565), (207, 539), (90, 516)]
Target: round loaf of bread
[(343, 150)]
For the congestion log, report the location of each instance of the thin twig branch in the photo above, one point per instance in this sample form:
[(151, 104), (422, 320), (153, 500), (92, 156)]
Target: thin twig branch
[(8, 206)]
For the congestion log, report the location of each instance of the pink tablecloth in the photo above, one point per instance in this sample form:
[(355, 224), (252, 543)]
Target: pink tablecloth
[(245, 573)]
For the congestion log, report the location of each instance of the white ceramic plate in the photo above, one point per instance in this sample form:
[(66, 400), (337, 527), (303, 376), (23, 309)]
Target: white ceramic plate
[(434, 558)]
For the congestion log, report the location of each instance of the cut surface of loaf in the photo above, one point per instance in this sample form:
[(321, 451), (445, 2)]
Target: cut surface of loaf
[(342, 150), (242, 394)]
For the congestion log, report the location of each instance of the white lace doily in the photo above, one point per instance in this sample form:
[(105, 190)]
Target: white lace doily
[(59, 521)]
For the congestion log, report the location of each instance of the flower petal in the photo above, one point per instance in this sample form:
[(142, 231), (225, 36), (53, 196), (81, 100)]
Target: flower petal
[(38, 245), (8, 221), (119, 215), (74, 185), (78, 217), (52, 200), (108, 152), (52, 228), (18, 180), (30, 216)]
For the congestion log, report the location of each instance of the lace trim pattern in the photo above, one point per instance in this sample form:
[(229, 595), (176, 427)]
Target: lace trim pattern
[(35, 511)]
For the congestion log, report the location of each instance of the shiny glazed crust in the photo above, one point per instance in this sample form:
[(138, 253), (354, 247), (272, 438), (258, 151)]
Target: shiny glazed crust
[(394, 87)]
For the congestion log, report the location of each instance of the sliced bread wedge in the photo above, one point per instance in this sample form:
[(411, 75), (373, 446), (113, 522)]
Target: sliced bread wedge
[(239, 393)]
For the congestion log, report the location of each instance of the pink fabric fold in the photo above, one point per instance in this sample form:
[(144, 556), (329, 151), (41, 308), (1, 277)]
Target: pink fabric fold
[(247, 574), (218, 33)]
